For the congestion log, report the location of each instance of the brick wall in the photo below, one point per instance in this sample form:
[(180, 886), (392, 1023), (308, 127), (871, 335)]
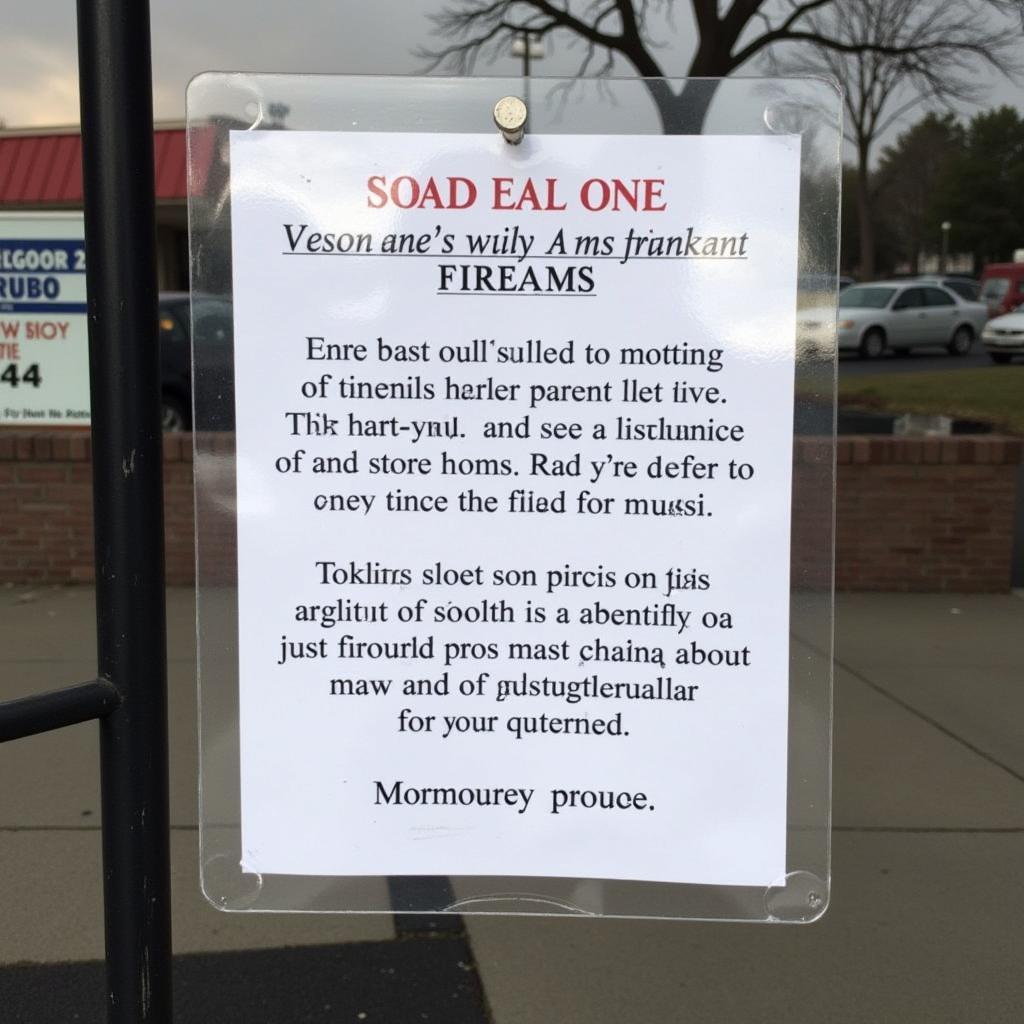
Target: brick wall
[(926, 514), (46, 508), (912, 514)]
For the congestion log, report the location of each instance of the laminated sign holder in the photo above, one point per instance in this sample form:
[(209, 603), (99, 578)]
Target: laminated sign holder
[(514, 467)]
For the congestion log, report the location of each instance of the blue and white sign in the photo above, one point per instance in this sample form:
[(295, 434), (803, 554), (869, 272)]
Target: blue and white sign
[(44, 350)]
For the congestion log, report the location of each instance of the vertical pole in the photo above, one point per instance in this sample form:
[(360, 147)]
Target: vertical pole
[(117, 160), (526, 68)]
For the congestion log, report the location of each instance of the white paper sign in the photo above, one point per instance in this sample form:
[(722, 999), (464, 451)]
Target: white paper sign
[(514, 441)]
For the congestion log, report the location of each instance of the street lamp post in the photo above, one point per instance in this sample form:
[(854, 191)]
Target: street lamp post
[(529, 46), (944, 258)]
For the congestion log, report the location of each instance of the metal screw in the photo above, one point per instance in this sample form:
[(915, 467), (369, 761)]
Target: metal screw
[(510, 117)]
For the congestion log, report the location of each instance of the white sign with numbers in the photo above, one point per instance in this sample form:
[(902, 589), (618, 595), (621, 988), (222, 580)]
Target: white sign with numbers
[(44, 345)]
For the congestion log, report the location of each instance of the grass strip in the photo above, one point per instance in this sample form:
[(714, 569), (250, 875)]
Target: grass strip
[(989, 394)]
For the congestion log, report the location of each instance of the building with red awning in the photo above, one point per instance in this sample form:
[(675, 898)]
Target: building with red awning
[(41, 169)]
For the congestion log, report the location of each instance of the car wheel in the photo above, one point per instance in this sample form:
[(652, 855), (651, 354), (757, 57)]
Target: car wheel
[(173, 417), (961, 342), (999, 357), (872, 345)]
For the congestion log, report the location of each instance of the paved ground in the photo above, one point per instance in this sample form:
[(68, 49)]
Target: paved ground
[(925, 923)]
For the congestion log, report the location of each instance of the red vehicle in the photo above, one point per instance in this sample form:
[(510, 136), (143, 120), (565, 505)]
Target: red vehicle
[(1002, 287)]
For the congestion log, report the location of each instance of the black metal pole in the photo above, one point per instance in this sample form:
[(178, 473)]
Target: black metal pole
[(29, 716), (117, 160)]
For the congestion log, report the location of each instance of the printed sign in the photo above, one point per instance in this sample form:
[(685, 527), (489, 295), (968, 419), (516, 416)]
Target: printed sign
[(513, 570), (44, 346)]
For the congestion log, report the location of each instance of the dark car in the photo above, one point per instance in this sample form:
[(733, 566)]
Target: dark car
[(966, 287), (213, 323), (175, 362)]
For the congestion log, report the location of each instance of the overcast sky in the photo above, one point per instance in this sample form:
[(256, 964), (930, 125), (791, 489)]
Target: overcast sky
[(38, 62)]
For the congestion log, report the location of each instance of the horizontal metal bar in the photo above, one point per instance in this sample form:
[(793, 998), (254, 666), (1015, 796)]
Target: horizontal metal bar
[(27, 716)]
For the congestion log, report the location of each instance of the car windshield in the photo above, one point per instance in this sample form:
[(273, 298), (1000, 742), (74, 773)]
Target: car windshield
[(865, 298), (995, 287)]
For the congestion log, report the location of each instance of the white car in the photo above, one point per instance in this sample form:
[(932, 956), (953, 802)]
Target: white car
[(900, 315), (1003, 337)]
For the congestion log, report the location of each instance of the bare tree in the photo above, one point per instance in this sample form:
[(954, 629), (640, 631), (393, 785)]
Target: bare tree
[(484, 29), (726, 39), (897, 55)]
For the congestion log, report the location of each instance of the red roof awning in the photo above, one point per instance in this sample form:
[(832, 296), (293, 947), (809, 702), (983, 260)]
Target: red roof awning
[(47, 169)]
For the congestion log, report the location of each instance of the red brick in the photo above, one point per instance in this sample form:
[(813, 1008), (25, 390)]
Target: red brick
[(912, 514), (79, 448)]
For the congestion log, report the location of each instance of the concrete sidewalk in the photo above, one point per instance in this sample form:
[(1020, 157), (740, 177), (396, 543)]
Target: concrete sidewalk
[(925, 922)]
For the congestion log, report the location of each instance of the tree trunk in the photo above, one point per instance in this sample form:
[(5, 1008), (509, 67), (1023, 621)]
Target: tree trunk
[(867, 227), (683, 113)]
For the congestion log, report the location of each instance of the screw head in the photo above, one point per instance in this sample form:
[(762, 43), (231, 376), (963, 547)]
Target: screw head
[(510, 117)]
